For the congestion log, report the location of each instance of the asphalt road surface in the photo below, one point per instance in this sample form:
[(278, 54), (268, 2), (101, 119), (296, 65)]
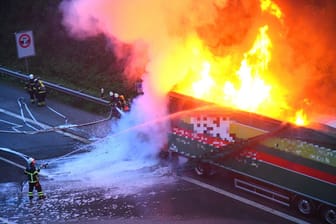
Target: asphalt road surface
[(89, 181)]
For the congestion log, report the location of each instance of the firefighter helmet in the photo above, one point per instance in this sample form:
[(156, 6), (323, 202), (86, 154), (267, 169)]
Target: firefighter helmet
[(31, 160), (31, 76), (116, 95), (110, 93)]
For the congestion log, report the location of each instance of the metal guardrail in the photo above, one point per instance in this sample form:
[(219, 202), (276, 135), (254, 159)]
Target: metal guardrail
[(56, 87), (19, 154)]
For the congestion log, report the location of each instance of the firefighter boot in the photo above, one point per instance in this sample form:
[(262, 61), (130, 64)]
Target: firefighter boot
[(41, 195)]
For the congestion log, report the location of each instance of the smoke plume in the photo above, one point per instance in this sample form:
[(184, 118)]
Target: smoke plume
[(310, 71), (155, 30), (152, 36)]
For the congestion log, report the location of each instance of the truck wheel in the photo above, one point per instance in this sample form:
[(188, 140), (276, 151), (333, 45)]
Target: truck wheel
[(201, 169), (163, 154), (305, 206), (329, 215)]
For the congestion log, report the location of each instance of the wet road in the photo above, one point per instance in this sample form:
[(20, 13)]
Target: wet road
[(145, 193)]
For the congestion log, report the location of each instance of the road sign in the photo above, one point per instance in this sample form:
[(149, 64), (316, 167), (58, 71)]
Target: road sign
[(25, 44)]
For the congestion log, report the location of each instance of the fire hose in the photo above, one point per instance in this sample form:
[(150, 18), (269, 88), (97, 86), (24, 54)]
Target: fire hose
[(19, 154), (60, 127)]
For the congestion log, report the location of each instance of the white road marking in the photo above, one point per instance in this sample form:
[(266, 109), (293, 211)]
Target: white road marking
[(23, 117), (14, 126), (56, 112), (45, 126), (245, 200), (30, 113), (11, 123), (2, 220)]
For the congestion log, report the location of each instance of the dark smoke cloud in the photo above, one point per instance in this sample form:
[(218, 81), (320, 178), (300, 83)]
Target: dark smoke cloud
[(310, 53), (148, 33)]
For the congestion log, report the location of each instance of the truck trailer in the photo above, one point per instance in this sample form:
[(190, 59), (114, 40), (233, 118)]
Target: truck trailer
[(288, 164)]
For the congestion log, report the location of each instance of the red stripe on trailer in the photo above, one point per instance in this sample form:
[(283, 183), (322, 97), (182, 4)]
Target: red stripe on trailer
[(305, 170)]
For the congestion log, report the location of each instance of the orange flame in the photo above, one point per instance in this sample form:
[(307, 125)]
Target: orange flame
[(272, 8), (300, 118), (246, 84), (204, 85), (244, 87), (253, 90)]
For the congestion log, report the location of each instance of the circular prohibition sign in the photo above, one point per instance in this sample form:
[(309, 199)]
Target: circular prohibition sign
[(24, 40)]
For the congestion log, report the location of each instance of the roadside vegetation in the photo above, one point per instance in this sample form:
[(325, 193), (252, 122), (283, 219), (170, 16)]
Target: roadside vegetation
[(87, 65)]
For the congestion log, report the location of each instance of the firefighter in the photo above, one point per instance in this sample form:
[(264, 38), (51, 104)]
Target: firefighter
[(114, 102), (30, 87), (41, 92), (33, 180), (111, 96), (117, 100), (123, 103), (102, 93)]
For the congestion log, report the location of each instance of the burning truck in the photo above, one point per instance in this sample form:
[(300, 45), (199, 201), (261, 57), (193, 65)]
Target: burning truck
[(240, 116), (241, 75), (288, 164)]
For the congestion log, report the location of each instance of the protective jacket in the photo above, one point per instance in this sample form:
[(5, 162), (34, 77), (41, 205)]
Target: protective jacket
[(30, 86), (32, 174), (40, 87)]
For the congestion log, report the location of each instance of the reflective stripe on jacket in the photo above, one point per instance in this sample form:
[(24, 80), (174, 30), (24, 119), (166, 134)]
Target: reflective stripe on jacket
[(32, 174)]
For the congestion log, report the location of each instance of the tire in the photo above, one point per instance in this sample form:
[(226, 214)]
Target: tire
[(164, 154), (200, 169), (203, 169), (328, 214), (305, 206)]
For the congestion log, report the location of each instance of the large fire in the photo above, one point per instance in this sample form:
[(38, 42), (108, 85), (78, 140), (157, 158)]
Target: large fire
[(253, 90), (257, 55), (247, 87)]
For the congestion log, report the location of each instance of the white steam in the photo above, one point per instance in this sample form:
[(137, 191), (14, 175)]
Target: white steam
[(155, 30), (127, 158)]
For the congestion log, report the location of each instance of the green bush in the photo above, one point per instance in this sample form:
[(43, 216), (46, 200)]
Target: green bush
[(84, 65)]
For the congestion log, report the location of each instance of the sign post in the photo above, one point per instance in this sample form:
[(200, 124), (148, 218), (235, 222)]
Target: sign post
[(25, 45)]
